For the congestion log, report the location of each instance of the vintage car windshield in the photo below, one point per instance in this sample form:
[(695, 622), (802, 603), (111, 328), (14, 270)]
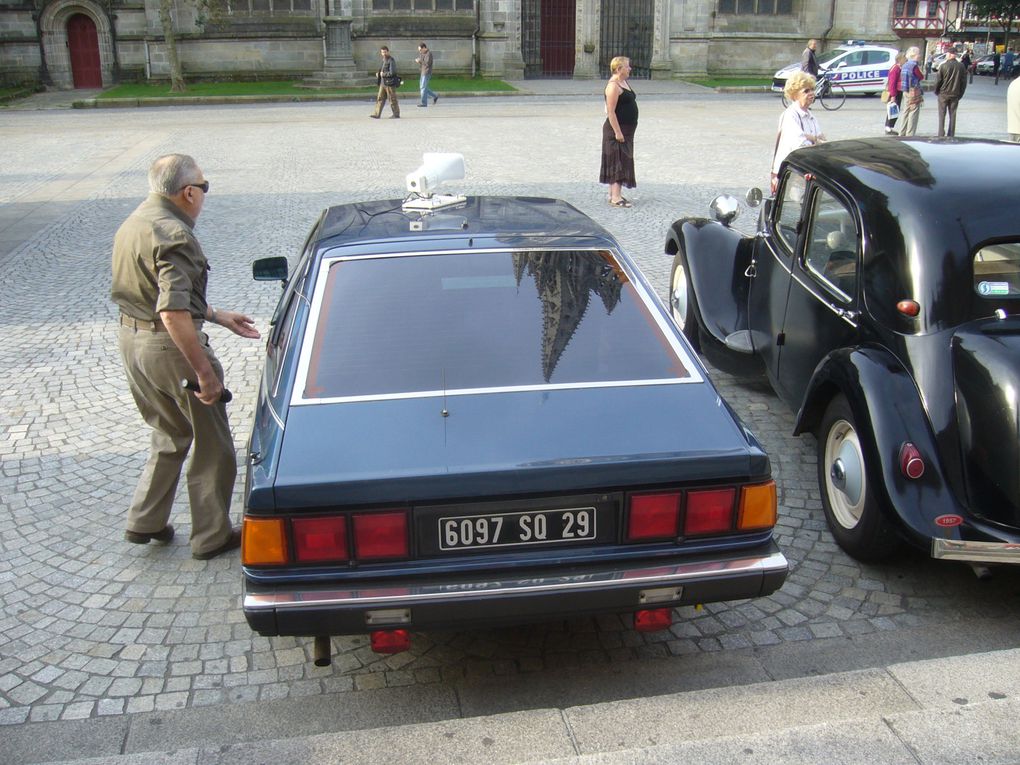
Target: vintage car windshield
[(481, 320), (997, 270)]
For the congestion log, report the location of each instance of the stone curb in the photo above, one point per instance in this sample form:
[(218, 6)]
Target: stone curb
[(130, 103)]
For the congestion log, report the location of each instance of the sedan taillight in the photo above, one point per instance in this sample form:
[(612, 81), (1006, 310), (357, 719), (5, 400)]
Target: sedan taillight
[(654, 516), (668, 515), (365, 536), (317, 540)]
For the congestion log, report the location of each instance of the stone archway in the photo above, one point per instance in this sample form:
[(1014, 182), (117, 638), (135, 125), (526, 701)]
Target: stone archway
[(53, 28)]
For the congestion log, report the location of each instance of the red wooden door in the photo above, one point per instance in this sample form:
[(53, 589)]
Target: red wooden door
[(83, 42), (558, 22)]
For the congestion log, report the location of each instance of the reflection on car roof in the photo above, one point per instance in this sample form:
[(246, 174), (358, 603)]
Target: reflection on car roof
[(478, 216)]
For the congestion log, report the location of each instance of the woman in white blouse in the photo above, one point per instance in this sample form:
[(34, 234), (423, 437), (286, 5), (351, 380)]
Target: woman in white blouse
[(798, 126)]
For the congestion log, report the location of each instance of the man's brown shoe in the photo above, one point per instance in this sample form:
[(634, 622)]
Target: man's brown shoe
[(141, 538), (232, 543)]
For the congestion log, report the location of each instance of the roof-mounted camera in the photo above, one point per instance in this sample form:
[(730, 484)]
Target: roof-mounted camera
[(436, 168)]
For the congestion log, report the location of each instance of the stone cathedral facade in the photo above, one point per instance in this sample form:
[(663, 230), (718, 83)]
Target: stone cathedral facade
[(97, 43)]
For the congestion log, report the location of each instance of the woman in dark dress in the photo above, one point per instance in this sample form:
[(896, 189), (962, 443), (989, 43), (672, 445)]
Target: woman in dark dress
[(618, 133)]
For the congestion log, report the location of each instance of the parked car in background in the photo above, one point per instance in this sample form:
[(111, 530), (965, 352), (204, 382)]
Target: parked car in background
[(985, 65), (474, 411), (856, 67), (881, 298)]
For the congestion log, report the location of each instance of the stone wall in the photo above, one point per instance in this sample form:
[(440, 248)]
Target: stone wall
[(225, 38)]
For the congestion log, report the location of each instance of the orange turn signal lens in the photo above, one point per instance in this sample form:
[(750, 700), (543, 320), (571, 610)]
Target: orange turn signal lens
[(757, 507), (263, 542)]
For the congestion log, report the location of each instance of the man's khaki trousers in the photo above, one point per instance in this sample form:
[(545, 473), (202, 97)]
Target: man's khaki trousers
[(155, 368)]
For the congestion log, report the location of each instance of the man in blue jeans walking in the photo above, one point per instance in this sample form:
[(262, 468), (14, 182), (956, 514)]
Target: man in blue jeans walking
[(424, 61)]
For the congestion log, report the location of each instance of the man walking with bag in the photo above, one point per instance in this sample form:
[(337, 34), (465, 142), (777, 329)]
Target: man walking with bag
[(388, 84), (950, 85)]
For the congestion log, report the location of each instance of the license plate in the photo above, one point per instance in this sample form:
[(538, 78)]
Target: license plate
[(465, 532)]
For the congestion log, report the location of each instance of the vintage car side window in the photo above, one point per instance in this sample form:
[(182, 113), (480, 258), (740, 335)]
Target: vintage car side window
[(997, 271), (831, 251), (791, 204)]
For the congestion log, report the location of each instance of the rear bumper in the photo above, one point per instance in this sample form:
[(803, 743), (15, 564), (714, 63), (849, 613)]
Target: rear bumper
[(975, 552), (452, 602)]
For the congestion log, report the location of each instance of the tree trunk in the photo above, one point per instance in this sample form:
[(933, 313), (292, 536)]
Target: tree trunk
[(177, 84)]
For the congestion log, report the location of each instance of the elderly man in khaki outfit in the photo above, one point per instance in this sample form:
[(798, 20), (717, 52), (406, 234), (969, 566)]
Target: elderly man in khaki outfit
[(159, 283)]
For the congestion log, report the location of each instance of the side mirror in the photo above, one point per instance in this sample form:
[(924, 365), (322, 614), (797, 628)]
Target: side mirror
[(725, 209), (753, 197), (269, 269)]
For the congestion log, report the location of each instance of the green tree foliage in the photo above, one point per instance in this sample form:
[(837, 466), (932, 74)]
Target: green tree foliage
[(1002, 12)]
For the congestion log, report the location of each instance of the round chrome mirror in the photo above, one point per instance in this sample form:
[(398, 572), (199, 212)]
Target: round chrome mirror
[(753, 197), (725, 209)]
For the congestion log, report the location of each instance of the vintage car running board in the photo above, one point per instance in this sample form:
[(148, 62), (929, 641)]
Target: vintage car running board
[(975, 552), (739, 341)]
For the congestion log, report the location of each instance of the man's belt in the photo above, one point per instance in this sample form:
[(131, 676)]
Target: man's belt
[(149, 326)]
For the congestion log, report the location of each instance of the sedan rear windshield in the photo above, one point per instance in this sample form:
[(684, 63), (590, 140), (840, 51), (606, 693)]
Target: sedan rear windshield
[(482, 320)]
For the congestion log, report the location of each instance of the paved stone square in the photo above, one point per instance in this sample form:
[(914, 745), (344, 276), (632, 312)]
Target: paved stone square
[(92, 626)]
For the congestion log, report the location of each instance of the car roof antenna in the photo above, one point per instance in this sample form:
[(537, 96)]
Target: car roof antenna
[(445, 412)]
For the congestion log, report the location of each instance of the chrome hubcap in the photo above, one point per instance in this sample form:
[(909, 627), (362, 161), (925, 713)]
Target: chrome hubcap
[(678, 296)]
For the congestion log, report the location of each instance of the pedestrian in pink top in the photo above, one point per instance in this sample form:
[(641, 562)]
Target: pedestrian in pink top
[(892, 84)]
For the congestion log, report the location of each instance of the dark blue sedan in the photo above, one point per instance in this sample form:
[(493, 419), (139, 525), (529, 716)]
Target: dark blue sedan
[(484, 415)]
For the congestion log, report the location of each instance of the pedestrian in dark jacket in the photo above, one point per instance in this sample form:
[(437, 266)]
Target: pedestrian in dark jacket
[(388, 84), (808, 62), (949, 87)]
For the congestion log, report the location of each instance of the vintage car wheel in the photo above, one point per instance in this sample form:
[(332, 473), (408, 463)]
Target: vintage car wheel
[(851, 510), (682, 301)]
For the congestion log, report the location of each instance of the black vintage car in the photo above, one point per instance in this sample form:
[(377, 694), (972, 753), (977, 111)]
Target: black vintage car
[(881, 296)]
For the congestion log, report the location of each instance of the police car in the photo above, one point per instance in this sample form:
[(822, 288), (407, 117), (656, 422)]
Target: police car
[(856, 67)]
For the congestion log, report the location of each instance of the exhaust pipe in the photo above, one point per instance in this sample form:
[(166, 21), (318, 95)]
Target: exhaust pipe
[(323, 651)]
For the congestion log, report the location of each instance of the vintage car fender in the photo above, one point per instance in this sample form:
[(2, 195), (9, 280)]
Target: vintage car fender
[(717, 257), (885, 403)]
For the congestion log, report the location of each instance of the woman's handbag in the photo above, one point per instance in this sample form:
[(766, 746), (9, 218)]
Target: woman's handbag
[(885, 95)]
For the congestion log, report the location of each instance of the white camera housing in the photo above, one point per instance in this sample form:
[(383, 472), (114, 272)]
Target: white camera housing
[(436, 168)]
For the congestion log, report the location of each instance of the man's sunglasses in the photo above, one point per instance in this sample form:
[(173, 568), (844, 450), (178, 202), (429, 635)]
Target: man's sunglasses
[(204, 185)]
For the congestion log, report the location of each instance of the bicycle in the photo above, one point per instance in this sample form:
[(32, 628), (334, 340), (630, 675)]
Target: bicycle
[(830, 96)]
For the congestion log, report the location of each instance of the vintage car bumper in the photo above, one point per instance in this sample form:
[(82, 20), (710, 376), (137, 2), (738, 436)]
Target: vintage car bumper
[(453, 602), (975, 552)]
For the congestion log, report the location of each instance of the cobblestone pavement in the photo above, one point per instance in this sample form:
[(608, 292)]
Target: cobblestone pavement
[(92, 626)]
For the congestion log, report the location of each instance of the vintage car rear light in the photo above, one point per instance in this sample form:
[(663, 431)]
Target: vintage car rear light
[(909, 307), (380, 535), (757, 507), (653, 619), (654, 516), (320, 539), (263, 542), (911, 462), (709, 511), (390, 641)]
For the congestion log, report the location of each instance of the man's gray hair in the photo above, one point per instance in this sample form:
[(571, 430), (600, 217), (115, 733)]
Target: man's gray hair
[(172, 172), (913, 51)]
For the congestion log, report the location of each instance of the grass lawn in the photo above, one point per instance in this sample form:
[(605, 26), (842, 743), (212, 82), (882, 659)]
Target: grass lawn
[(7, 94), (730, 82), (439, 84)]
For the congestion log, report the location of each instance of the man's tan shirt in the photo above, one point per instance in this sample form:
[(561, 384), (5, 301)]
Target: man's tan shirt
[(158, 264)]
